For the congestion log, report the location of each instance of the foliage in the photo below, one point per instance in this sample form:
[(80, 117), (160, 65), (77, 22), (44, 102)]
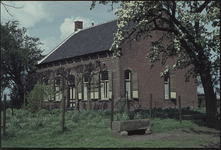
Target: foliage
[(76, 117), (184, 36), (39, 121), (19, 54), (56, 111), (43, 112), (107, 112), (37, 95)]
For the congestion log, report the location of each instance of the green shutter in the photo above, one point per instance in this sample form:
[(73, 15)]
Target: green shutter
[(110, 80), (172, 86), (134, 84)]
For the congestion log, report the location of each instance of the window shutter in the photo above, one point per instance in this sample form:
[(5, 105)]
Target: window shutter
[(172, 86), (134, 84), (110, 80)]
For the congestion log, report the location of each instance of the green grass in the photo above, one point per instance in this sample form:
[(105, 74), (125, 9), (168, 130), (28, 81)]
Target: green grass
[(92, 130)]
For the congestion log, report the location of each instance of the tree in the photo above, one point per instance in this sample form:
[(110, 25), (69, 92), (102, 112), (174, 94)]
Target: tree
[(39, 92), (6, 5), (19, 54), (183, 23)]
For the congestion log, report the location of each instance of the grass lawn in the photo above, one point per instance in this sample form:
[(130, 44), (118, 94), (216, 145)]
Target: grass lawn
[(90, 130)]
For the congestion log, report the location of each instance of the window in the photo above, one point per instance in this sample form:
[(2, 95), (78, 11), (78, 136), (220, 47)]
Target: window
[(127, 83), (104, 85), (170, 86), (85, 83), (131, 84), (58, 95), (71, 90), (166, 86)]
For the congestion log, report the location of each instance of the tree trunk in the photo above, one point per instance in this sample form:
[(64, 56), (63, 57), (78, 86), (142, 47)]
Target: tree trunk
[(88, 97), (210, 97)]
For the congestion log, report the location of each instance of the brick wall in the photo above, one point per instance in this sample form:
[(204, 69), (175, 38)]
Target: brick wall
[(149, 81)]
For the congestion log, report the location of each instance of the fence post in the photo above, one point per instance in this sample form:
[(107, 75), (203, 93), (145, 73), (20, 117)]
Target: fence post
[(78, 102), (63, 114), (155, 105), (4, 115), (127, 103), (112, 109), (180, 110), (193, 104), (12, 107), (150, 106)]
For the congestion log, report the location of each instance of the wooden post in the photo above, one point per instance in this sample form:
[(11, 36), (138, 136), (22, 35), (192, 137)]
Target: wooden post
[(180, 110), (78, 103), (12, 107), (127, 102), (63, 113), (150, 108), (112, 109), (4, 115)]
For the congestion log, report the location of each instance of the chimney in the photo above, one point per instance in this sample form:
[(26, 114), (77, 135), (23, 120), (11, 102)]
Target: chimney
[(92, 24), (78, 25)]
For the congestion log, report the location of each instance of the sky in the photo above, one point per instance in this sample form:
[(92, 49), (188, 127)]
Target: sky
[(53, 21)]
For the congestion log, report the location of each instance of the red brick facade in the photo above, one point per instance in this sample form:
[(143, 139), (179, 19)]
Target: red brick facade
[(149, 81)]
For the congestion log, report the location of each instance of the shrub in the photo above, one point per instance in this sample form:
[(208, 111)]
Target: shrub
[(75, 117), (38, 121), (117, 117), (107, 112), (56, 111), (97, 119), (43, 112), (125, 116), (85, 113), (15, 122), (138, 116)]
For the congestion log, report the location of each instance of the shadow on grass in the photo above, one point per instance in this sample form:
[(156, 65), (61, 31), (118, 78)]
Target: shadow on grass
[(198, 118), (212, 145)]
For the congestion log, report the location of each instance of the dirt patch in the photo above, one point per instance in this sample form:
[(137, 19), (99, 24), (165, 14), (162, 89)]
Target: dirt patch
[(181, 136)]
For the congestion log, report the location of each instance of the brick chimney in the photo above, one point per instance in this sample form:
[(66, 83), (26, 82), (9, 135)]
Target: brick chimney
[(78, 25)]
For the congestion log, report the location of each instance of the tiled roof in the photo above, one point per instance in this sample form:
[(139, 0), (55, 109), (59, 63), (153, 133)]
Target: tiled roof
[(86, 41)]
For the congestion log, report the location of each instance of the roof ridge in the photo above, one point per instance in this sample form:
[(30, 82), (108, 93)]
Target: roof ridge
[(98, 24)]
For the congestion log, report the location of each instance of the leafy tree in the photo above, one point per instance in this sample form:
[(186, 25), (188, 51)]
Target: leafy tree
[(19, 54), (36, 96), (184, 24)]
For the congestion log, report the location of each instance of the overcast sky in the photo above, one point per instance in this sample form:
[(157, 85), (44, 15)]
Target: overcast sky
[(53, 21)]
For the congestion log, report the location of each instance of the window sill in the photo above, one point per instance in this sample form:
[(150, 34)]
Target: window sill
[(104, 100)]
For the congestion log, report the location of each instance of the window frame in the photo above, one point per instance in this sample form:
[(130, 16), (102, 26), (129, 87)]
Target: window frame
[(105, 89)]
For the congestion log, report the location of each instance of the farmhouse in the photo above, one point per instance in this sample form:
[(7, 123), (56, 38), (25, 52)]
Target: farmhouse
[(129, 73)]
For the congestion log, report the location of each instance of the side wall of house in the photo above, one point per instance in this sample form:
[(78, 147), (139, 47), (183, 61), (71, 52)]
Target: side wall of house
[(149, 82), (111, 64)]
